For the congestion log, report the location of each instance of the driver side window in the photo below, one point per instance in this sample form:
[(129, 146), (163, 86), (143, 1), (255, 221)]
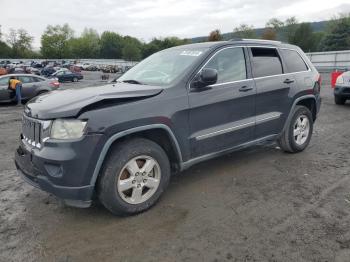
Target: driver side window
[(230, 64)]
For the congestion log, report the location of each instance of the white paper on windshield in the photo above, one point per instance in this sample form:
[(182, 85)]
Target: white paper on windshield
[(191, 52)]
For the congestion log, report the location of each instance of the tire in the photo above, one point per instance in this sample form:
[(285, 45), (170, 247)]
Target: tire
[(339, 100), (120, 200), (75, 79), (290, 143)]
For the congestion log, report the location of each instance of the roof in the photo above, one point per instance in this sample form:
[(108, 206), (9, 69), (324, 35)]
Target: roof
[(236, 41)]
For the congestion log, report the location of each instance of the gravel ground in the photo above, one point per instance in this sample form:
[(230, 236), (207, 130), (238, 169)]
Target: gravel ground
[(259, 204)]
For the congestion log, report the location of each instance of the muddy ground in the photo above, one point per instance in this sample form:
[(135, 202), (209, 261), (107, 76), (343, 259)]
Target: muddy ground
[(259, 204)]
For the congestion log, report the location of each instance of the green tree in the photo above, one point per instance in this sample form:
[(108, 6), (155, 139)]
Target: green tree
[(337, 35), (131, 50), (55, 41), (111, 45), (269, 34), (275, 23), (159, 44), (5, 50), (20, 42), (244, 31), (85, 46), (304, 37), (215, 35), (290, 27), (272, 28)]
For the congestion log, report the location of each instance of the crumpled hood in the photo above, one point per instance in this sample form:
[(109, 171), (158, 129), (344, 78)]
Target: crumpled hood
[(69, 102)]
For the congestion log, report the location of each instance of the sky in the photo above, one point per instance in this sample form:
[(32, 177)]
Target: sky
[(159, 18)]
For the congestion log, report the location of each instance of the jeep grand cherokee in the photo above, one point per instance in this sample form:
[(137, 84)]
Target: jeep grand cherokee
[(121, 142)]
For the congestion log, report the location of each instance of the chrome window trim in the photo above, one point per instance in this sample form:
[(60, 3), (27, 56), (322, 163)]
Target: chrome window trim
[(261, 77)]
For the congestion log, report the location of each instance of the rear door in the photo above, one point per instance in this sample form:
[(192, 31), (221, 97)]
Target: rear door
[(222, 115), (28, 86), (297, 67), (5, 93), (273, 90)]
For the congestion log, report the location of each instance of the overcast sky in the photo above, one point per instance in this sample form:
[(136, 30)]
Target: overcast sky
[(159, 18)]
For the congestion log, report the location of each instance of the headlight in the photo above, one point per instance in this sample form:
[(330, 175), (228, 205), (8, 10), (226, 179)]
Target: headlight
[(67, 128), (340, 80)]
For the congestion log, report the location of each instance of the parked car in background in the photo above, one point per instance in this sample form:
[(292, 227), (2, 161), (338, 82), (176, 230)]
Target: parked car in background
[(4, 63), (67, 64), (16, 70), (3, 71), (92, 68), (342, 88), (32, 85), (32, 70), (66, 75), (47, 71), (75, 68)]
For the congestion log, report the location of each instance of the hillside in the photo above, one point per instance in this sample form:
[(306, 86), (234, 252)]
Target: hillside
[(316, 26)]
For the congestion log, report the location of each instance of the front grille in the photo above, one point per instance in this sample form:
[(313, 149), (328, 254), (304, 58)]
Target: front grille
[(32, 130), (346, 90)]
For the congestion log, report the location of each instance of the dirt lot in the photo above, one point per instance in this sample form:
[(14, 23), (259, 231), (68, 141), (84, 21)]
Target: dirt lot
[(254, 205)]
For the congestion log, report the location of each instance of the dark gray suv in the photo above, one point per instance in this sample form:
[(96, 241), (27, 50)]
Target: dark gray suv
[(121, 142)]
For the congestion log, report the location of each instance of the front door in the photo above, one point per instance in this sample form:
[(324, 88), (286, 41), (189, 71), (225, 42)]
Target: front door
[(222, 115), (28, 86)]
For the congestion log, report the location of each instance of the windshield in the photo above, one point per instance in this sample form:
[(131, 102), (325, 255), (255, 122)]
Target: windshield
[(163, 67)]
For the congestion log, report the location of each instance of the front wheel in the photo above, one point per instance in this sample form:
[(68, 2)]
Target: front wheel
[(297, 134), (75, 79), (133, 177)]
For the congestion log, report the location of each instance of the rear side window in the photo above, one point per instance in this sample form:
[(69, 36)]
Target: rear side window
[(293, 61), (38, 79), (266, 62), (230, 64), (26, 79)]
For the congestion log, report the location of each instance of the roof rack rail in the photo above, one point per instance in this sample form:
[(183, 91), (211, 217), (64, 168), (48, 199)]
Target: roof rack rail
[(256, 40)]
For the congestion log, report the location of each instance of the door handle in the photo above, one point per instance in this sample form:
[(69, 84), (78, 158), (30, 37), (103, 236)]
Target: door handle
[(288, 81), (245, 88)]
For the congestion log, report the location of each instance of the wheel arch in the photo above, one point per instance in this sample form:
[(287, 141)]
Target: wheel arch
[(305, 100), (310, 103), (158, 133)]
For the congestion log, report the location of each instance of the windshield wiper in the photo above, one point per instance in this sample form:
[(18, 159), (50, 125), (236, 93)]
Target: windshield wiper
[(132, 81)]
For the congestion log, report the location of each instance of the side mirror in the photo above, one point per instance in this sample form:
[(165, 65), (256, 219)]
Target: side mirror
[(206, 77)]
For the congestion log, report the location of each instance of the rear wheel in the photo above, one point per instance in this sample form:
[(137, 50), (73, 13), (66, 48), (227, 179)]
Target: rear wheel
[(298, 132), (134, 176), (339, 100)]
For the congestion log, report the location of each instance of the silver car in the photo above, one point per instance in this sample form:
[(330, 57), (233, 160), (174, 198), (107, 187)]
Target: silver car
[(32, 85)]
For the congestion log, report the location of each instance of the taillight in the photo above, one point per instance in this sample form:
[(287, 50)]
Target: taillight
[(55, 84), (319, 81)]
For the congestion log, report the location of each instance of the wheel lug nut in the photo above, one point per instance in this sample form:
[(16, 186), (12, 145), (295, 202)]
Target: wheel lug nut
[(136, 174), (145, 180), (134, 181), (144, 173), (138, 185)]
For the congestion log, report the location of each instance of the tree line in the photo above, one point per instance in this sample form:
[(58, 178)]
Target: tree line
[(335, 37), (60, 41)]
